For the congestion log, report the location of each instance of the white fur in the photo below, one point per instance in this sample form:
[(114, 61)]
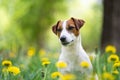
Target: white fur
[(69, 36), (73, 54), (64, 32)]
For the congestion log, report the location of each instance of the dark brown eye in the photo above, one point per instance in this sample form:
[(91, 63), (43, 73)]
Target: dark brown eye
[(70, 28), (59, 30)]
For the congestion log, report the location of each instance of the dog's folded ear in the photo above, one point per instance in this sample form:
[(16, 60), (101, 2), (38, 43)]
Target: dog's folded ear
[(78, 22), (54, 27)]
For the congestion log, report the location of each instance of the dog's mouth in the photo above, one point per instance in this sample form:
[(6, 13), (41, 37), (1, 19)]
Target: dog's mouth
[(66, 43)]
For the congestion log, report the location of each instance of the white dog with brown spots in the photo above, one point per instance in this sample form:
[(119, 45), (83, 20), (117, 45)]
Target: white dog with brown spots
[(72, 52)]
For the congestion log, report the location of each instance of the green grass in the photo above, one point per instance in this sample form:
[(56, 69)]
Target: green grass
[(31, 67)]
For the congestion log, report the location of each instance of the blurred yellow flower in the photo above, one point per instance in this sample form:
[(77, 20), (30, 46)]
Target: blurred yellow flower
[(116, 72), (31, 51), (84, 64), (7, 63), (13, 69), (42, 52), (110, 48), (113, 58), (61, 64), (116, 65), (107, 76), (12, 55), (45, 61), (56, 75), (93, 77), (69, 77), (91, 57)]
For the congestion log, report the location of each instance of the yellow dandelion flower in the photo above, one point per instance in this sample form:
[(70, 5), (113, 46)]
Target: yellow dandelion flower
[(84, 64), (116, 65), (115, 72), (6, 63), (42, 52), (69, 77), (46, 63), (110, 48), (56, 75), (44, 59), (31, 51), (61, 64), (113, 58), (107, 76), (13, 69)]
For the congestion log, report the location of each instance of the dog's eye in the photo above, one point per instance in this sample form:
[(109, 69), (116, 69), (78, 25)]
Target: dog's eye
[(70, 28), (59, 30)]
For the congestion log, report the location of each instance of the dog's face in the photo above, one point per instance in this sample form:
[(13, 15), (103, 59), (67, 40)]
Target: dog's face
[(68, 30)]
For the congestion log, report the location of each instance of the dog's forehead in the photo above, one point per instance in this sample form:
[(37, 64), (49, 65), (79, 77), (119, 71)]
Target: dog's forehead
[(63, 26), (70, 22), (66, 23)]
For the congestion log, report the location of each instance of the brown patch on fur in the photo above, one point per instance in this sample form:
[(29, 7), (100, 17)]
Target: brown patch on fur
[(72, 26), (70, 23), (54, 27), (78, 23), (59, 28)]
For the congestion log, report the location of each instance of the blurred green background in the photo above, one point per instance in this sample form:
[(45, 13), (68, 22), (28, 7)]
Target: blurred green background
[(25, 23)]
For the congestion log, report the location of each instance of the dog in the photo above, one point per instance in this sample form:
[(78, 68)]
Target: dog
[(72, 52)]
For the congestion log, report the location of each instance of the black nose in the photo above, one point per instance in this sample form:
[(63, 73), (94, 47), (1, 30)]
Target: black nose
[(63, 38)]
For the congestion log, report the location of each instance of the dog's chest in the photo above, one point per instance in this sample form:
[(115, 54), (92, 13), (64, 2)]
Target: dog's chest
[(72, 59), (73, 63)]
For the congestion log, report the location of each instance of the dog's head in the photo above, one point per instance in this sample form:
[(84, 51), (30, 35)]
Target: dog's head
[(68, 30)]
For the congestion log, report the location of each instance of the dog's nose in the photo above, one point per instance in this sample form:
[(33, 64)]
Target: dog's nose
[(63, 38)]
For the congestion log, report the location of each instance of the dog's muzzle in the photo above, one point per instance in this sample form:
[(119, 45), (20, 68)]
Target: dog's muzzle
[(64, 41)]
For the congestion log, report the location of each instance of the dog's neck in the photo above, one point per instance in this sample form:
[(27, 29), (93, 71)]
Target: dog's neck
[(74, 47)]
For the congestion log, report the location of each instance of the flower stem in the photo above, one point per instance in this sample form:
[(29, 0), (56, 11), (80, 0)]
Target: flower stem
[(45, 74)]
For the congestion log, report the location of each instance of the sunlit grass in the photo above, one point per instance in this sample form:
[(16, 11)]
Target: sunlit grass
[(42, 65)]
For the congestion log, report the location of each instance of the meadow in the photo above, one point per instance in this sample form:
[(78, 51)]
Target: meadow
[(29, 50), (32, 64)]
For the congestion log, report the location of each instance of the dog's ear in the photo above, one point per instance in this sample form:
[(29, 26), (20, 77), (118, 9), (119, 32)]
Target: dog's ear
[(54, 27), (78, 22)]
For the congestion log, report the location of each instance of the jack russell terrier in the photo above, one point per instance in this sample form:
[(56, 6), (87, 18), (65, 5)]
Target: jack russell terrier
[(72, 51)]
